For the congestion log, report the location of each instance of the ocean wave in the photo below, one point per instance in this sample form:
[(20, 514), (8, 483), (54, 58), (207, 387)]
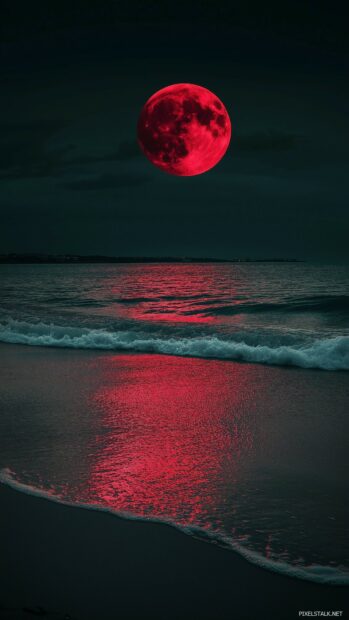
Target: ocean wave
[(328, 575), (325, 354)]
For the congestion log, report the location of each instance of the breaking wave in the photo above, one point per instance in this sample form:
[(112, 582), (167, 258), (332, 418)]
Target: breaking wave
[(326, 353), (317, 573)]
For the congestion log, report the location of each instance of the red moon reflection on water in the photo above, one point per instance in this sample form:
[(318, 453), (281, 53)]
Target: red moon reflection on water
[(184, 129)]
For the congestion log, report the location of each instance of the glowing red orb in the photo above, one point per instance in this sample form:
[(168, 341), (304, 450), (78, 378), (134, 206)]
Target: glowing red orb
[(184, 129)]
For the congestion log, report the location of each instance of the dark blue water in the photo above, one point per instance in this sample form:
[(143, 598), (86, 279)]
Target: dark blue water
[(285, 314)]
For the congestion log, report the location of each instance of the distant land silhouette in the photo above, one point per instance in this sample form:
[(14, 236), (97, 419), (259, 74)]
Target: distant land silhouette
[(96, 258)]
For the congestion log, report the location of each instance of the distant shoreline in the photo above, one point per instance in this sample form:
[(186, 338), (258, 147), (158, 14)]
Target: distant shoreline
[(34, 259)]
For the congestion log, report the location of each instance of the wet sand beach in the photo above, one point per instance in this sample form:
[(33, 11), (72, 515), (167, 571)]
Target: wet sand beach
[(184, 440), (90, 565)]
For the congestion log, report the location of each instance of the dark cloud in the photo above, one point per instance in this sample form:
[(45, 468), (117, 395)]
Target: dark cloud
[(126, 150), (268, 141), (107, 181), (26, 152)]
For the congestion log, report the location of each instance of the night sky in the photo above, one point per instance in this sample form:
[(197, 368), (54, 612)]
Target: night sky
[(74, 77)]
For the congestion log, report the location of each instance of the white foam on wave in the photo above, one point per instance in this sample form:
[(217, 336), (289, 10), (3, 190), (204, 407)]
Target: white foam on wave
[(325, 354), (316, 573)]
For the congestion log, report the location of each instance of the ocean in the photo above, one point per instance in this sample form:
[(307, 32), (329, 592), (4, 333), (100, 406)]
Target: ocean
[(212, 396), (285, 314)]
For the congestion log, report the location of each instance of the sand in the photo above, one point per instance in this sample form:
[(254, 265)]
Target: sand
[(67, 562), (79, 563)]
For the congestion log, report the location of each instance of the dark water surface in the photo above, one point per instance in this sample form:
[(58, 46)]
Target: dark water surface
[(275, 313)]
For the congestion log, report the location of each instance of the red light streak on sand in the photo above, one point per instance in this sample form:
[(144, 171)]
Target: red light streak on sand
[(174, 438)]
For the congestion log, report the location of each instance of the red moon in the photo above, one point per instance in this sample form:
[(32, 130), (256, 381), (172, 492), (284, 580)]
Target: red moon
[(184, 129)]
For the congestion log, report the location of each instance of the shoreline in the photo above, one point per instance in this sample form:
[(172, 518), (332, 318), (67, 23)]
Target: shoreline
[(94, 565), (92, 259), (318, 574)]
